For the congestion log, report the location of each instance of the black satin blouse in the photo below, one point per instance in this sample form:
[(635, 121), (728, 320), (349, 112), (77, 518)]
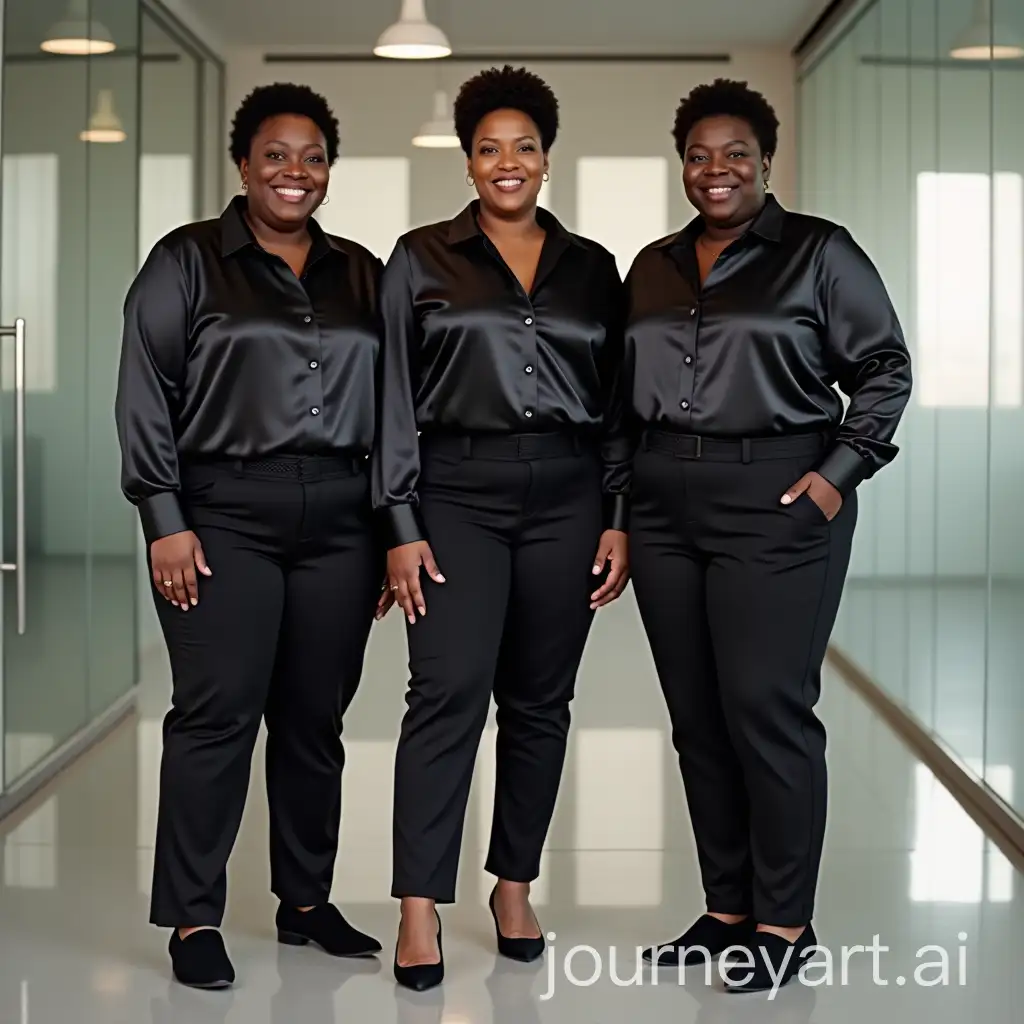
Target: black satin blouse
[(790, 309), (226, 353), (466, 350)]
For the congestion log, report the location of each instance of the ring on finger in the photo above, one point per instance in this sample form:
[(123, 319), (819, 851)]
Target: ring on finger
[(168, 583)]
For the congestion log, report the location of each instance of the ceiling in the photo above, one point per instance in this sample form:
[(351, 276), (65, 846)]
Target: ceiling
[(524, 25)]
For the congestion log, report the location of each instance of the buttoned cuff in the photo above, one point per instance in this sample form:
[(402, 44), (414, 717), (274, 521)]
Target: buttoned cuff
[(402, 524), (844, 469), (616, 512), (161, 516)]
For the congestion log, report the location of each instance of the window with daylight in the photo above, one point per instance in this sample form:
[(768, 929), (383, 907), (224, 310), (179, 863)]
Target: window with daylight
[(622, 202), (379, 214), (970, 309), (28, 263)]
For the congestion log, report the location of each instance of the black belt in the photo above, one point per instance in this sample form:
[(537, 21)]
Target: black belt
[(289, 467), (722, 449), (505, 446)]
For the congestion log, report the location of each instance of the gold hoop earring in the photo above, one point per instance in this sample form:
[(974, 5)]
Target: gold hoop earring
[(245, 186), (326, 200), (767, 187), (469, 180), (547, 177)]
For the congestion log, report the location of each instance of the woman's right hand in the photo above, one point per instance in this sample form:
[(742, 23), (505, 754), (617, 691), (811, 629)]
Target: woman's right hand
[(175, 559), (404, 576)]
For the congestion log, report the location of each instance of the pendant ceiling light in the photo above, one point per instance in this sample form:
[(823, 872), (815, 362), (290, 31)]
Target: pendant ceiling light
[(413, 37), (439, 132), (104, 125), (76, 34), (985, 39)]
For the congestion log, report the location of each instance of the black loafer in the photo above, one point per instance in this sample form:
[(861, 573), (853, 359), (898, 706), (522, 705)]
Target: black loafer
[(326, 927), (785, 958), (524, 950), (201, 961), (708, 934)]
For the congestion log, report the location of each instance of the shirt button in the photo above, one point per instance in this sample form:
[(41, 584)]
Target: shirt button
[(529, 413), (315, 411), (529, 369), (684, 405), (529, 320), (693, 311), (308, 319), (313, 364), (688, 360)]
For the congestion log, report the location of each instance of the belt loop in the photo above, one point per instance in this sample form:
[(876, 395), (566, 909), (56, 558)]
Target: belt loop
[(745, 450), (699, 450)]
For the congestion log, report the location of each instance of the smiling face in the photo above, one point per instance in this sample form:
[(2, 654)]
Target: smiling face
[(286, 171), (724, 171), (507, 163)]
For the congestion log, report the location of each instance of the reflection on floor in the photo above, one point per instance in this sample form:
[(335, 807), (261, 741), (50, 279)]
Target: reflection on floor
[(903, 863), (952, 653)]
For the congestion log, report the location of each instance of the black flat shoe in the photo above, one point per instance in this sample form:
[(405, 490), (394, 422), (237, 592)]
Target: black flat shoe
[(770, 949), (201, 961), (523, 950), (420, 977), (706, 933), (326, 927)]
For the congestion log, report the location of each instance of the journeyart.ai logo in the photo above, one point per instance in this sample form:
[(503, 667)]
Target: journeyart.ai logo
[(583, 966)]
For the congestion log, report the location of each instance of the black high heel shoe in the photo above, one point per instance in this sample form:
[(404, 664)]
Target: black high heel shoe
[(523, 950), (420, 977)]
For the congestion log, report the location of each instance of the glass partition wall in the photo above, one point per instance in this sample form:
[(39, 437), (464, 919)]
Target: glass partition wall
[(909, 135), (68, 209), (80, 99)]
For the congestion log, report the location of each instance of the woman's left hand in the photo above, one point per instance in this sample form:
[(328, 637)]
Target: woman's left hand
[(613, 549), (387, 599), (820, 491)]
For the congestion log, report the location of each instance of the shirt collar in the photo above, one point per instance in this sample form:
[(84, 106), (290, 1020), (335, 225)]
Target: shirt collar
[(236, 234), (465, 226), (767, 225)]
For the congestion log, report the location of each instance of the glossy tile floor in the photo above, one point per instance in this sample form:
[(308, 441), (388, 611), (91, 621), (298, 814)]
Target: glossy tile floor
[(904, 868)]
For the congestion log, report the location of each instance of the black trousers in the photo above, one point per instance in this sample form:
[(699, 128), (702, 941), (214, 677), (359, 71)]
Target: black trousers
[(278, 635), (514, 524), (738, 594)]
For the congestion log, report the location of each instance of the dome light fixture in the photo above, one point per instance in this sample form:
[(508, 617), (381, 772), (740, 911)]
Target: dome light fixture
[(413, 37), (104, 125), (78, 35), (439, 131), (985, 39)]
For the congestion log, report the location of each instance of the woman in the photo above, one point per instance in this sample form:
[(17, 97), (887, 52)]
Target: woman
[(502, 334), (743, 509), (246, 411)]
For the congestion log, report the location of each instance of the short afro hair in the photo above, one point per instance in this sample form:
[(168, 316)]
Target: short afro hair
[(269, 101), (506, 89), (727, 98)]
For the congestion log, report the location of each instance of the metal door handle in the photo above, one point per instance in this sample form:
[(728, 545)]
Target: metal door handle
[(18, 566)]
